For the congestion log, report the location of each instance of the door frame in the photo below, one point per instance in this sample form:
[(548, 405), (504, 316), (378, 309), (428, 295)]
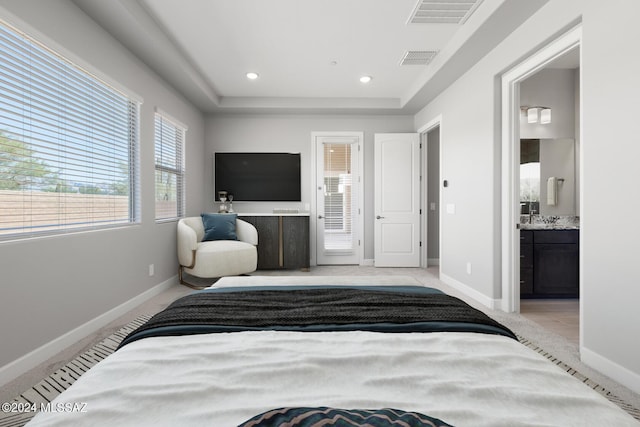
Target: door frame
[(510, 210), (359, 185), (424, 130)]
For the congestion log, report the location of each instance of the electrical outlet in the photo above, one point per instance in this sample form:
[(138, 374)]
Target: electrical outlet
[(152, 269), (469, 268)]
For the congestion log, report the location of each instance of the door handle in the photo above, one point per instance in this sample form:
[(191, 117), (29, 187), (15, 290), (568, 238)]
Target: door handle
[(379, 217), (320, 217)]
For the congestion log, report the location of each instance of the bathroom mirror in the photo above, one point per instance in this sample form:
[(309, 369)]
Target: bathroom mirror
[(540, 160)]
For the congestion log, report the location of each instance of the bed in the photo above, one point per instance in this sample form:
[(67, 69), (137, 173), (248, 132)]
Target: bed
[(326, 349)]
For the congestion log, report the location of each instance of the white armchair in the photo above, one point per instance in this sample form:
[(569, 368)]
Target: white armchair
[(216, 258)]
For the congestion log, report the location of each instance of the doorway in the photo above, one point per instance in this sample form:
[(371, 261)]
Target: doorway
[(430, 137), (549, 179), (431, 187), (338, 198), (511, 155)]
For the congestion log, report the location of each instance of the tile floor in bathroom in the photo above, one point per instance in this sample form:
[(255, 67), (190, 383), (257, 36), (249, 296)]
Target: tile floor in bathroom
[(561, 316)]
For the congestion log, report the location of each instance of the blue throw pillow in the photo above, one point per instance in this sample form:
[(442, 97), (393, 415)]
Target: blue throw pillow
[(219, 226)]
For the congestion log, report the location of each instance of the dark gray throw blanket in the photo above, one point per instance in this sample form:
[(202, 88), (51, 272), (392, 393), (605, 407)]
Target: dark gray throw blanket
[(317, 309)]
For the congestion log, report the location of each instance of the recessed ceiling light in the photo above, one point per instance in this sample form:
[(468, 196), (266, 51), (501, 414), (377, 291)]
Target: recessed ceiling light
[(365, 79), (252, 75)]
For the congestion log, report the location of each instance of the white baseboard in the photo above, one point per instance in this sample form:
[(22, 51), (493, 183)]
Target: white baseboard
[(14, 369), (611, 369), (470, 292), (368, 262)]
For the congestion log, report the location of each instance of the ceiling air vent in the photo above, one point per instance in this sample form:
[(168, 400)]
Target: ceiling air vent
[(443, 11), (418, 57)]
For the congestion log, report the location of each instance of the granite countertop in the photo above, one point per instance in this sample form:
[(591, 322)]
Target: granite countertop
[(548, 227), (549, 222)]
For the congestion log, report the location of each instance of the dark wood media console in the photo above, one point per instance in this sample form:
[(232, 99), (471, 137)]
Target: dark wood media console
[(283, 240)]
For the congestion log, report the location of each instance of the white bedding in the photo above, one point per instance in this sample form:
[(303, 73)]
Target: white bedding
[(221, 380)]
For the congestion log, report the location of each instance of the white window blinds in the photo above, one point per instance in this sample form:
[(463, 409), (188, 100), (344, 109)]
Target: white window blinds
[(169, 148), (338, 197), (68, 144)]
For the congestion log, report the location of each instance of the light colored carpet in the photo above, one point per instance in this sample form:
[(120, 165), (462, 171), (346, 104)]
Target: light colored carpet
[(558, 350)]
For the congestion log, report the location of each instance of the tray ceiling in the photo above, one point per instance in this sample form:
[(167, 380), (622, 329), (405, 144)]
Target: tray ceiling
[(309, 55)]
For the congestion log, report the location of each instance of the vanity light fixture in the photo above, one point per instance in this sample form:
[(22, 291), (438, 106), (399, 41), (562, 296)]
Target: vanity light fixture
[(538, 113), (545, 116), (365, 79), (252, 76)]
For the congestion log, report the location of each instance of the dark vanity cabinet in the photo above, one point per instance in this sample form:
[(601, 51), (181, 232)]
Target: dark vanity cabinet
[(549, 263), (283, 241), (526, 263)]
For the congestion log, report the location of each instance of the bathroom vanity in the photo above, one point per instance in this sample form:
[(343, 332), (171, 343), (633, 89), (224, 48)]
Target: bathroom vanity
[(549, 263)]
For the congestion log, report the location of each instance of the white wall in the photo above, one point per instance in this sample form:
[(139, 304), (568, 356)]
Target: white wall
[(557, 158), (52, 285), (553, 88), (610, 149), (468, 163), (470, 133), (292, 133)]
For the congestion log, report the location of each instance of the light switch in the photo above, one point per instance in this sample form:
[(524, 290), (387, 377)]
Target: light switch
[(451, 208)]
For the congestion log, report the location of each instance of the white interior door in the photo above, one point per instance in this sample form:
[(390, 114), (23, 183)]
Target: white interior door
[(397, 200), (338, 200)]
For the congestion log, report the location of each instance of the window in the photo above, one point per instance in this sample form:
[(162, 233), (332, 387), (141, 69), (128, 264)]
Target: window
[(68, 144), (338, 197), (169, 143), (530, 188)]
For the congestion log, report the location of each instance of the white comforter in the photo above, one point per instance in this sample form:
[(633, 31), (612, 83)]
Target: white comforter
[(221, 380)]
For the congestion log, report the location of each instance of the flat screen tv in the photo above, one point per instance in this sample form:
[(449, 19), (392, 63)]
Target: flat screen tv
[(258, 177)]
